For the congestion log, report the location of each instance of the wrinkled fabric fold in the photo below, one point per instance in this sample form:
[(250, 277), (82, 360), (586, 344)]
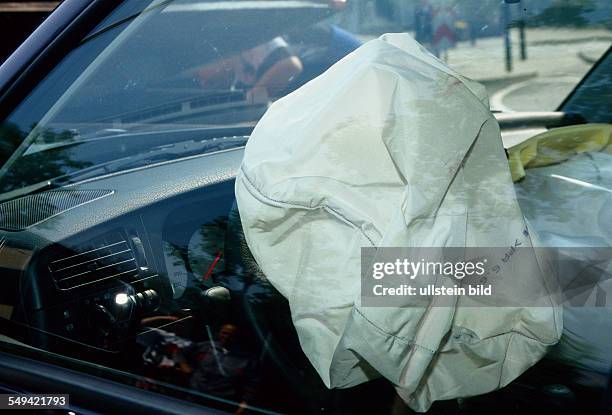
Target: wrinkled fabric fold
[(389, 148)]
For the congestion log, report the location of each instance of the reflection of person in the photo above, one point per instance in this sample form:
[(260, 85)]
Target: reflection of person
[(166, 356), (443, 23), (423, 17), (222, 371), (214, 366), (267, 67), (320, 46)]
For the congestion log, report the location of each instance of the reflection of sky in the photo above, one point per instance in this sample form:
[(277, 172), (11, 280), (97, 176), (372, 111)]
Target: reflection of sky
[(191, 6), (570, 204)]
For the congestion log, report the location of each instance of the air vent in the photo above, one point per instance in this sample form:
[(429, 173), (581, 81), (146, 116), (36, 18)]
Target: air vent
[(107, 258), (19, 214)]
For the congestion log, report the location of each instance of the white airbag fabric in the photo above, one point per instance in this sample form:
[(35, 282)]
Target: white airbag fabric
[(389, 147)]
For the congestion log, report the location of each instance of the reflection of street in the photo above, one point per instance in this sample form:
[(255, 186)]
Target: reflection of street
[(555, 65), (557, 60), (534, 94)]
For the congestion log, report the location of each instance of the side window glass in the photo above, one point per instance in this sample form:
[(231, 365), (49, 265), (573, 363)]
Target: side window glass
[(592, 97)]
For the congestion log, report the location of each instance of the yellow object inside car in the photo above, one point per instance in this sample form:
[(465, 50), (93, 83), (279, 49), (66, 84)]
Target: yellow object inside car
[(558, 145)]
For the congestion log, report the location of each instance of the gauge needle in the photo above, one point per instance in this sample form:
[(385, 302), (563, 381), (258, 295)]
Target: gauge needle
[(212, 266)]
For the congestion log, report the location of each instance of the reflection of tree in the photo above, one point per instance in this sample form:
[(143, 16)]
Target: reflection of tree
[(565, 13), (179, 254), (39, 166), (10, 138), (210, 244), (574, 351)]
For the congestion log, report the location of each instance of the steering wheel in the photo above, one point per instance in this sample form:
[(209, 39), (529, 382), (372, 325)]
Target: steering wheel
[(268, 314)]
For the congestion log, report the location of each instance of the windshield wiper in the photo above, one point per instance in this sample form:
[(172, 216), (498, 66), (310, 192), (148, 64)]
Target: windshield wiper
[(157, 155)]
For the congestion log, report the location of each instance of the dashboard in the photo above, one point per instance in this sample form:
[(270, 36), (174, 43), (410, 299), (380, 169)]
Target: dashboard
[(119, 256), (123, 269), (92, 267), (134, 272)]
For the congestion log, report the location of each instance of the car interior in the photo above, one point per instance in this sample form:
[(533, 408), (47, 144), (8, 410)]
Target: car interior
[(136, 265)]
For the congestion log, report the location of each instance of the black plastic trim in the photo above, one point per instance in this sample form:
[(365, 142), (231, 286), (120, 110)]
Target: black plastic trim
[(517, 120), (585, 79), (59, 34), (90, 392)]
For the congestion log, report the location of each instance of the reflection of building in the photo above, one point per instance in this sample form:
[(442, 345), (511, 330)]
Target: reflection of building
[(369, 16), (402, 12), (376, 16)]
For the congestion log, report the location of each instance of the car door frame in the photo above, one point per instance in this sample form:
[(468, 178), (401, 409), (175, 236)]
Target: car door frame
[(60, 33), (88, 393), (57, 35)]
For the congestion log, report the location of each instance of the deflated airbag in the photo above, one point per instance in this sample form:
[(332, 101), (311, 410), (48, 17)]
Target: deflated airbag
[(389, 148)]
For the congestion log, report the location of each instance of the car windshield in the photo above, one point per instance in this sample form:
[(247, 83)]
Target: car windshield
[(159, 80)]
